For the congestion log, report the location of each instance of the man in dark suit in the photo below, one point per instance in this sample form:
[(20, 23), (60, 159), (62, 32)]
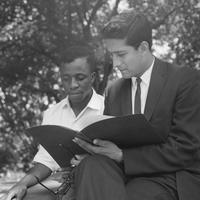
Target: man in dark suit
[(169, 97)]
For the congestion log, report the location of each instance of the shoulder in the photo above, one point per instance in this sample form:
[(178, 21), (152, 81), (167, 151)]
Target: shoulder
[(189, 78), (183, 79), (55, 108), (181, 73), (184, 74)]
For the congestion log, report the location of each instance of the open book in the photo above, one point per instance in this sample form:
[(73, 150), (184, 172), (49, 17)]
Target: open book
[(126, 132)]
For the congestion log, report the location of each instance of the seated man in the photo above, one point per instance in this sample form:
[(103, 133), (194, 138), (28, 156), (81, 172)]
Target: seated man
[(169, 98), (77, 73)]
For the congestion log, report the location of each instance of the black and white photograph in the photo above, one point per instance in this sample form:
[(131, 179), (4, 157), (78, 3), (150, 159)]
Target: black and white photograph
[(99, 100)]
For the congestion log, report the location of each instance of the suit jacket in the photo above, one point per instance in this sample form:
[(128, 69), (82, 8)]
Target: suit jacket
[(172, 107)]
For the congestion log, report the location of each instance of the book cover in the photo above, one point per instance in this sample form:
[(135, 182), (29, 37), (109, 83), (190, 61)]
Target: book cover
[(126, 132)]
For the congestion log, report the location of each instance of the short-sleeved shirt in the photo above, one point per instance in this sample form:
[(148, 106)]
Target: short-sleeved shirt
[(62, 114)]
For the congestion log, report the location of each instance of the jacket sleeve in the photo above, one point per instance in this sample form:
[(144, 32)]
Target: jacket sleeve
[(183, 143)]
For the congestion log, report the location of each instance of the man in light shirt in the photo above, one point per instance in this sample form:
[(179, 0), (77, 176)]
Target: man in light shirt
[(77, 74), (169, 98)]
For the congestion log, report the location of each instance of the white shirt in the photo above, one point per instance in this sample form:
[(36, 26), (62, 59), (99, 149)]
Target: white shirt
[(62, 114), (146, 77)]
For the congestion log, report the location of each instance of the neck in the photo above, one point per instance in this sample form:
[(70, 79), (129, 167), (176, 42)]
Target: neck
[(149, 60), (147, 63), (77, 107)]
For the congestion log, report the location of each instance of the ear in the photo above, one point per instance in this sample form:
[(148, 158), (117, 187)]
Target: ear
[(144, 46), (93, 76)]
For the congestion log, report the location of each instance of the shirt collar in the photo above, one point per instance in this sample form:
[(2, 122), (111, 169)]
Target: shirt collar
[(94, 102), (146, 76)]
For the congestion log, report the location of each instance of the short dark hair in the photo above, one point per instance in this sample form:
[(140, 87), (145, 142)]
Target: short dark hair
[(133, 27), (79, 51)]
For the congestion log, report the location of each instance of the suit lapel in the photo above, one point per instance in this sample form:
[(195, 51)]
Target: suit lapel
[(157, 81), (126, 102)]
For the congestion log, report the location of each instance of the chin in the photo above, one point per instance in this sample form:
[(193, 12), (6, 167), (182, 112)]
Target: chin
[(76, 99), (126, 76)]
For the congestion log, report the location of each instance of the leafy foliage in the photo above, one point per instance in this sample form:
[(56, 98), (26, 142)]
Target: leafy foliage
[(177, 24), (34, 35)]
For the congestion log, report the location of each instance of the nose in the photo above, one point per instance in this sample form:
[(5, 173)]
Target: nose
[(74, 83), (116, 61)]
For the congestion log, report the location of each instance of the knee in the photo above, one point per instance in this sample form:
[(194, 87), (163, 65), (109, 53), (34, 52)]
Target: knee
[(93, 161), (90, 165)]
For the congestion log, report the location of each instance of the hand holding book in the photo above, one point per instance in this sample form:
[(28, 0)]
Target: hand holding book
[(102, 147), (125, 132)]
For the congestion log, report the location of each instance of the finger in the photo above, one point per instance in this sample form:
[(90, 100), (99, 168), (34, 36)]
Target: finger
[(102, 143), (78, 157), (75, 163), (81, 157), (72, 161), (88, 147)]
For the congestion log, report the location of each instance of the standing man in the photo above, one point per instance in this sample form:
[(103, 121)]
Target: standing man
[(77, 74), (169, 98)]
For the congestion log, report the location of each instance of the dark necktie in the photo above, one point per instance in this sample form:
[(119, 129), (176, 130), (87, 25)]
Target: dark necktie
[(137, 106)]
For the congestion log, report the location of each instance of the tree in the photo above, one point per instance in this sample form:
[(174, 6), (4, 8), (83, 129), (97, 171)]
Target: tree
[(175, 23), (33, 35)]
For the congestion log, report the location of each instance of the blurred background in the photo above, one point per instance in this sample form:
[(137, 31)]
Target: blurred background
[(34, 34)]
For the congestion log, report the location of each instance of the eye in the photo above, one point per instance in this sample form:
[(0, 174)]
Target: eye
[(80, 77), (121, 54)]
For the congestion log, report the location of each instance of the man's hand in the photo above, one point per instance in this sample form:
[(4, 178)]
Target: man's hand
[(102, 147), (17, 192), (76, 161)]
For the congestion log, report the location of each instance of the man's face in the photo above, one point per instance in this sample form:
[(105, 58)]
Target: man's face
[(126, 58), (77, 80)]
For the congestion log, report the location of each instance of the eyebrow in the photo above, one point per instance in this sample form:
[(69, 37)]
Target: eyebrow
[(78, 74), (120, 51), (64, 75)]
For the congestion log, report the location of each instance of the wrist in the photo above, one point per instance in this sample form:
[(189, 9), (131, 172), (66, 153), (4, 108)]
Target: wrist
[(28, 181), (21, 185)]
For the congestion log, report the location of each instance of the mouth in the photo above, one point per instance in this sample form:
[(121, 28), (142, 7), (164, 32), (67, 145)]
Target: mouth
[(77, 93), (122, 69), (74, 93)]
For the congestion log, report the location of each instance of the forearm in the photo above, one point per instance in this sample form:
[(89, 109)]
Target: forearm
[(40, 171), (28, 181), (164, 158), (183, 143)]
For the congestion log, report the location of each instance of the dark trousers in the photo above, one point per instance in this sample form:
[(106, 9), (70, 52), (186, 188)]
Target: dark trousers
[(100, 178)]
